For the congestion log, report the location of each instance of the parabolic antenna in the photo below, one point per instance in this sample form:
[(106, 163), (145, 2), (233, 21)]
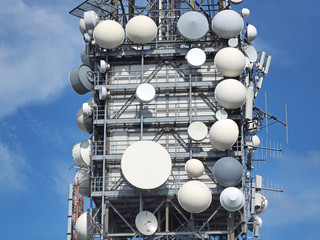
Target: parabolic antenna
[(85, 58), (197, 131), (83, 178), (230, 62), (81, 79), (232, 199), (251, 32), (245, 12), (85, 227), (84, 123), (103, 66), (221, 114), (227, 171), (145, 92), (227, 24), (236, 1), (102, 93), (141, 29), (81, 153), (193, 25), (194, 168), (230, 93), (255, 141), (146, 223), (90, 19), (146, 165), (233, 42), (261, 203), (82, 26), (108, 34), (194, 196), (251, 52), (87, 109), (249, 64), (254, 221), (196, 57), (223, 134)]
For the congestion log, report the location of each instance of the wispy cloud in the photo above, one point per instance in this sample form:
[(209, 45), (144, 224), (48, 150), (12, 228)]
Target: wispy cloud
[(37, 49)]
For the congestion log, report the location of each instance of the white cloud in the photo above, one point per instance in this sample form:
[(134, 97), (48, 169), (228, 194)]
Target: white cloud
[(37, 49)]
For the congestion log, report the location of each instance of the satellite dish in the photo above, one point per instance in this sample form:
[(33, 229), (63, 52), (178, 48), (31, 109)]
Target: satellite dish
[(227, 24), (145, 92), (90, 19), (255, 140), (251, 52), (196, 57), (87, 37), (251, 33), (261, 203), (236, 1), (86, 109), (85, 227), (221, 114), (194, 196), (146, 223), (227, 171), (230, 93), (249, 65), (83, 178), (230, 62), (232, 199), (81, 153), (103, 66), (108, 34), (194, 168), (233, 42), (141, 29), (193, 25), (146, 165), (254, 220), (82, 26), (223, 134), (102, 93), (81, 79), (84, 123), (197, 131), (245, 12)]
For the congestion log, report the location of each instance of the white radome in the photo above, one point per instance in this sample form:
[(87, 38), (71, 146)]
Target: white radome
[(84, 123), (194, 168), (90, 19), (194, 196), (83, 178), (230, 93), (82, 26), (196, 57), (81, 153), (223, 134), (232, 199), (251, 33), (141, 29), (255, 141), (197, 131), (230, 62), (145, 92), (227, 24), (245, 12), (251, 221), (108, 34), (85, 226)]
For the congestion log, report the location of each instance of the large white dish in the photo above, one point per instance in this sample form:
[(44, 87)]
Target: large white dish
[(196, 57), (83, 178), (194, 168), (84, 123), (90, 19), (227, 171), (197, 131), (81, 153), (145, 92), (141, 29), (227, 24), (85, 227), (194, 196), (251, 32), (193, 25), (230, 62), (81, 79), (223, 134), (108, 34), (146, 223), (230, 93), (232, 199), (146, 165)]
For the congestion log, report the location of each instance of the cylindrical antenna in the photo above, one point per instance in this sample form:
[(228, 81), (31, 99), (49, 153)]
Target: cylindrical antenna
[(263, 55), (249, 101), (267, 65), (260, 82), (266, 110)]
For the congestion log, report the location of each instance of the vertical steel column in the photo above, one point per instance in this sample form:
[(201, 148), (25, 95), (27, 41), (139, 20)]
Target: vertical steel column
[(70, 208)]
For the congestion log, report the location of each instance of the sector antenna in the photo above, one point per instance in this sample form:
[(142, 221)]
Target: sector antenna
[(168, 91)]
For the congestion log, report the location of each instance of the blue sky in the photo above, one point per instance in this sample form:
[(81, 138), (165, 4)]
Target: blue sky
[(40, 43)]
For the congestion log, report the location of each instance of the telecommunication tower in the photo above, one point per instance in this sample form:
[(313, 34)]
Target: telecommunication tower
[(171, 119)]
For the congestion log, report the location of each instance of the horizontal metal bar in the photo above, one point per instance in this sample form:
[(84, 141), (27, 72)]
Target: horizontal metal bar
[(169, 233)]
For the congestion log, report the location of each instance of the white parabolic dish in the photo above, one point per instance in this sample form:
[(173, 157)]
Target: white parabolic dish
[(146, 223), (85, 226), (193, 25), (227, 24), (145, 93), (108, 34), (81, 153), (194, 168), (194, 196), (146, 165), (196, 57), (141, 29), (232, 199), (197, 131)]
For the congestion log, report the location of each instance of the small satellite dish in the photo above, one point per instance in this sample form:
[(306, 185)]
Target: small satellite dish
[(108, 34), (223, 134), (102, 93), (233, 42), (196, 57), (87, 37), (261, 203), (141, 29), (227, 24), (145, 92), (194, 196), (254, 220), (197, 131), (85, 227), (103, 66), (83, 178), (84, 123), (230, 93), (251, 33), (236, 1), (251, 53), (90, 19), (245, 12), (227, 171), (221, 114), (81, 79), (194, 168), (86, 109), (146, 165), (255, 140), (230, 62), (193, 25), (81, 153), (232, 199), (146, 223)]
